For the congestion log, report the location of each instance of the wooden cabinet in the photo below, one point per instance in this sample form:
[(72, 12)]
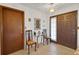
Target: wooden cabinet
[(66, 29), (11, 30), (0, 28)]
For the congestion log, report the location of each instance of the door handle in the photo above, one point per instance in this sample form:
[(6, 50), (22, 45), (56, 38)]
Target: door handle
[(73, 31)]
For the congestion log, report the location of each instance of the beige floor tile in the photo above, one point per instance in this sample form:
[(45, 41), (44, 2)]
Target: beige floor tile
[(51, 49)]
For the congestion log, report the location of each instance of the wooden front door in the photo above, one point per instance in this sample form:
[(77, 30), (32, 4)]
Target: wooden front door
[(12, 30), (66, 29), (0, 28)]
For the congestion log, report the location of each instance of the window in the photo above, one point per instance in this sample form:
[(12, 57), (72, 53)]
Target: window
[(53, 29)]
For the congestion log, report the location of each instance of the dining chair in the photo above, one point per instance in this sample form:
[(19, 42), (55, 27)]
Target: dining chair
[(29, 40)]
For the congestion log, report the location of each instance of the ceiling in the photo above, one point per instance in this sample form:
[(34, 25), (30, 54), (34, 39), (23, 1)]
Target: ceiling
[(45, 6), (41, 6)]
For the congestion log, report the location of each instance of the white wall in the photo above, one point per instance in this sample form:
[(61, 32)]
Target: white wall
[(67, 8), (31, 13)]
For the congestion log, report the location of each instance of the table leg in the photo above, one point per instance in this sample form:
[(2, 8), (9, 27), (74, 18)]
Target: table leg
[(43, 41), (47, 41)]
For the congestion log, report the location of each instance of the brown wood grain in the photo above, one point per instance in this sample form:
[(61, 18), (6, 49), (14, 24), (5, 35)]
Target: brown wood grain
[(11, 30), (13, 33), (66, 29), (0, 28), (77, 27)]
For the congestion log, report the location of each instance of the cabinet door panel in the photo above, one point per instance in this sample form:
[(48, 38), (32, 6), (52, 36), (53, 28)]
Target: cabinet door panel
[(12, 30), (67, 32), (0, 28)]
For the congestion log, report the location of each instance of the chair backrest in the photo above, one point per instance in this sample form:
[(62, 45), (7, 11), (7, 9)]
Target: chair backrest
[(29, 35)]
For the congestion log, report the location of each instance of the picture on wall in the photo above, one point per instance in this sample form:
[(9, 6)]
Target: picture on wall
[(37, 23)]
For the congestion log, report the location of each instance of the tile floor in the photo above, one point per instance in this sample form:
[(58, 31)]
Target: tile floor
[(51, 49)]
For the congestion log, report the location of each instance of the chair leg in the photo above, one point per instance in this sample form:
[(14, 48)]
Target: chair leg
[(35, 46), (28, 49)]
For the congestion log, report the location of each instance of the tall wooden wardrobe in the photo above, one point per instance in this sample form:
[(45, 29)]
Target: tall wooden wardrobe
[(11, 30), (67, 29)]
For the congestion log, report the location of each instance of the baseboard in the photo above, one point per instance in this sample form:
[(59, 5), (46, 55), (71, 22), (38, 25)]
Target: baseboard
[(53, 41)]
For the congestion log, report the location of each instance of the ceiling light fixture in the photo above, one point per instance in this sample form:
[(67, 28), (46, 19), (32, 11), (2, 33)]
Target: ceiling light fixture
[(51, 9)]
